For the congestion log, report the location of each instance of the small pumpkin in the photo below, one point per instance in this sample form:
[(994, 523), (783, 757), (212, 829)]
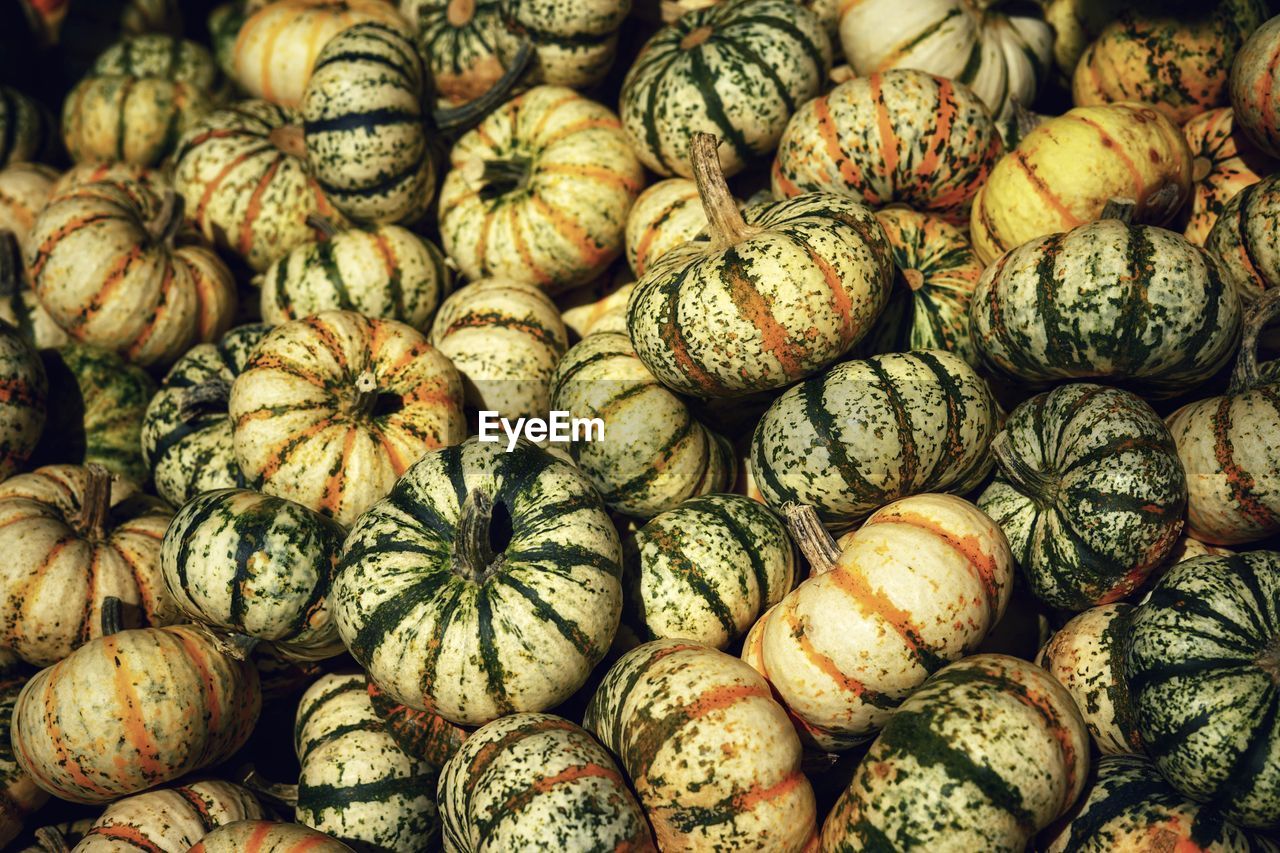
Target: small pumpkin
[(26, 130), (457, 40), (419, 734), (169, 818), (24, 189), (20, 796), (574, 42), (1225, 163), (666, 215), (267, 836), (1076, 23), (22, 403), (1254, 87), (1245, 240), (111, 171), (600, 307)]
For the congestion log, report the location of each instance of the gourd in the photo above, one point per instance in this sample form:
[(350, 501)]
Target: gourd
[(573, 42), (1225, 163), (169, 818), (1244, 241), (666, 215), (25, 390), (111, 171), (20, 797), (736, 70), (599, 307), (1089, 491), (267, 836), (19, 305), (485, 583), (419, 734), (1255, 95), (457, 40), (24, 189), (330, 410), (1076, 23), (26, 130)]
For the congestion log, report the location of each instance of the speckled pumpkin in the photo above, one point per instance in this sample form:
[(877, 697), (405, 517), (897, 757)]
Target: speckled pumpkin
[(23, 392), (24, 189), (170, 818), (1255, 87), (574, 41), (20, 796), (1246, 239), (1225, 163), (266, 836), (419, 734), (111, 171), (458, 41), (26, 130), (666, 215)]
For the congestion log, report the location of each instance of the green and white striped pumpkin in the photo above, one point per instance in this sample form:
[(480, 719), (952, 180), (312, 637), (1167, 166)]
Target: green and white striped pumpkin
[(737, 70), (1203, 665), (20, 796), (419, 734), (537, 781), (458, 41), (485, 583), (1245, 240), (364, 126), (23, 393), (26, 130), (169, 818), (574, 41), (666, 215), (869, 432)]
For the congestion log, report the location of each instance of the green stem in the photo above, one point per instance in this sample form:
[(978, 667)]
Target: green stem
[(1042, 486), (213, 390), (366, 396), (508, 175), (456, 119), (166, 223), (1119, 208), (473, 557), (112, 616)]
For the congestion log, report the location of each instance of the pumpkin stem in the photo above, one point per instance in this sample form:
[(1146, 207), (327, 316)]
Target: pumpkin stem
[(456, 118), (51, 840), (199, 398), (914, 279), (290, 140), (112, 616), (1200, 169), (10, 263), (232, 644), (165, 224), (1269, 660), (323, 227), (366, 395), (499, 177), (1119, 208), (1262, 312), (473, 548), (95, 503), (1042, 486), (815, 542), (724, 221), (1024, 121), (281, 793)]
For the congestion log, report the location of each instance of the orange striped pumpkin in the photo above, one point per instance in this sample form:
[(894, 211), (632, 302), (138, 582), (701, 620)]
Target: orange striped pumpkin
[(170, 818), (268, 836), (1255, 87), (667, 214), (1225, 163), (24, 190), (109, 170)]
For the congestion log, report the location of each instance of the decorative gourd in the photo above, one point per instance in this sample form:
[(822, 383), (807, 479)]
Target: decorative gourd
[(330, 410), (186, 431), (24, 189), (26, 130), (1245, 241), (379, 271), (19, 305), (365, 134), (1063, 173), (255, 565), (599, 307), (1089, 491), (1225, 163), (110, 266), (20, 797), (1107, 300), (771, 298), (164, 702), (1086, 656), (242, 171), (1203, 663), (666, 215), (170, 818), (536, 781), (901, 137), (505, 338), (266, 836), (737, 70), (1254, 87), (653, 453), (713, 758), (457, 39), (23, 391), (540, 191), (1000, 50), (988, 752), (113, 171), (279, 43), (419, 734), (495, 593), (1189, 547), (919, 585), (869, 432), (1076, 23), (574, 42)]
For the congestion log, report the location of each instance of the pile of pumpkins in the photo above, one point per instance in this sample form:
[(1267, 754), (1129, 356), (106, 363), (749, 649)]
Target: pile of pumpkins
[(935, 500)]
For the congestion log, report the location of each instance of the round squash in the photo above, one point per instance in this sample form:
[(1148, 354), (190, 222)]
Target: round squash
[(1225, 163), (1254, 87), (170, 818), (26, 130), (267, 836), (23, 392), (713, 758), (20, 796), (330, 410), (574, 41), (666, 215), (24, 189), (1245, 241), (457, 39), (1089, 491), (485, 583), (600, 307), (111, 171), (419, 734)]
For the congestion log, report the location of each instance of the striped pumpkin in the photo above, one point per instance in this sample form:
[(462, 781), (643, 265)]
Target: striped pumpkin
[(169, 818), (364, 129), (379, 271), (330, 410), (1089, 491), (1245, 241), (24, 189), (666, 215), (536, 781), (144, 292), (242, 172), (26, 130), (132, 710), (988, 752), (919, 585), (458, 41), (23, 392), (255, 565), (112, 171), (599, 307), (186, 431), (1063, 173), (1203, 663), (266, 836), (771, 298), (1086, 656), (653, 453), (505, 338), (869, 432), (355, 784), (485, 583), (574, 42), (540, 191), (1254, 87), (901, 137), (419, 734), (1225, 163), (20, 796), (1107, 300), (737, 70), (278, 45)]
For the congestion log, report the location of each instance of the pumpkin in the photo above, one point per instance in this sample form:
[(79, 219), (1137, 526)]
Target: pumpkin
[(363, 125), (111, 268), (23, 390), (666, 215), (650, 453), (242, 172), (535, 781), (56, 838), (705, 570), (713, 758), (19, 305), (26, 130), (1244, 241), (1076, 23), (1089, 491), (988, 752), (901, 137), (505, 338), (279, 43), (24, 189), (1202, 664), (457, 39), (355, 783), (1063, 173), (919, 585), (379, 271), (1086, 656), (1107, 300), (600, 307), (111, 171), (330, 410), (771, 298), (419, 734), (574, 42), (266, 836), (1000, 50), (736, 69), (131, 710), (169, 818), (872, 431), (186, 430), (1225, 163), (1255, 95), (20, 797), (486, 582), (257, 566), (540, 191)]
